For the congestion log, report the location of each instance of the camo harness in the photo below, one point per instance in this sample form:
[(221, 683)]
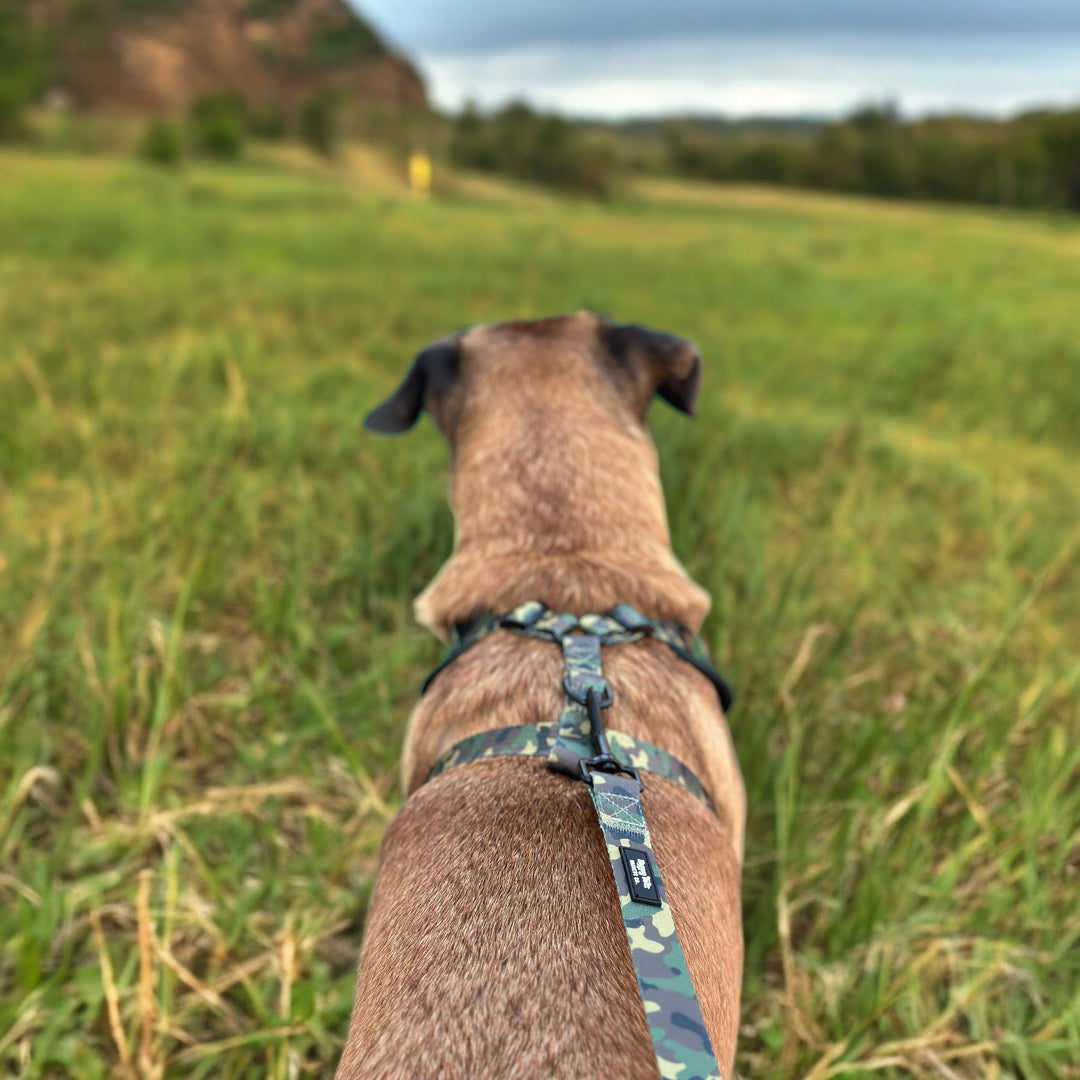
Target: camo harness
[(609, 762)]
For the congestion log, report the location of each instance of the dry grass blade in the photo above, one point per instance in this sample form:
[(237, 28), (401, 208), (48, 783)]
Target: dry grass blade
[(287, 967), (208, 994), (39, 774), (256, 1038), (800, 663), (148, 1066), (112, 997)]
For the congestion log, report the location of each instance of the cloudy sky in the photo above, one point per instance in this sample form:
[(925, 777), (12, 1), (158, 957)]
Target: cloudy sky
[(616, 58)]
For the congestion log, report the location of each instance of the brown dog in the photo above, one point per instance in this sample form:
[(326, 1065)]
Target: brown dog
[(494, 946)]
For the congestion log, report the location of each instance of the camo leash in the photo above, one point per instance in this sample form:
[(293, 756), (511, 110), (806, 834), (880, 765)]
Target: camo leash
[(609, 762)]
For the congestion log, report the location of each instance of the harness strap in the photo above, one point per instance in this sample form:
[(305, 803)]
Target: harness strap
[(624, 624), (538, 740), (578, 746)]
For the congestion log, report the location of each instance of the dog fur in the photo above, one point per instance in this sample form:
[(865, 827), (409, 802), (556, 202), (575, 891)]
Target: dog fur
[(494, 945)]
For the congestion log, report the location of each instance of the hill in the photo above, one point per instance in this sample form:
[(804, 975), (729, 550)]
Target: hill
[(156, 55)]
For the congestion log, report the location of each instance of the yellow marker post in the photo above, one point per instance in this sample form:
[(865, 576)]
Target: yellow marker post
[(420, 174)]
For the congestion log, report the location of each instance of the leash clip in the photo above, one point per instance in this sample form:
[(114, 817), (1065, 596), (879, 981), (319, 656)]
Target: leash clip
[(603, 760)]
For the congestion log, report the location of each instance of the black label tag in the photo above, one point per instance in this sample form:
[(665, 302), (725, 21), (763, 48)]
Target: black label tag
[(640, 876)]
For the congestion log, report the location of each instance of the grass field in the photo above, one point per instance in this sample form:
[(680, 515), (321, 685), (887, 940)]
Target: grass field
[(207, 653)]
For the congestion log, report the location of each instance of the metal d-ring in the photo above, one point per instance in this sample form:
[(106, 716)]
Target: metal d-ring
[(604, 697)]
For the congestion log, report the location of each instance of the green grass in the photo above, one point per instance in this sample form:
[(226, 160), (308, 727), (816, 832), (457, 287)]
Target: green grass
[(207, 654)]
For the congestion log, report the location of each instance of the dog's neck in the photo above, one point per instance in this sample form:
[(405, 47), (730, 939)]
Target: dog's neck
[(553, 508)]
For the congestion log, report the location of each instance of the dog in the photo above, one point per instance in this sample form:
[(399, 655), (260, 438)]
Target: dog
[(494, 946)]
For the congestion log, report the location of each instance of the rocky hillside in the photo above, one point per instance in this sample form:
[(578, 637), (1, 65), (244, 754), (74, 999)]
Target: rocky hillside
[(156, 55)]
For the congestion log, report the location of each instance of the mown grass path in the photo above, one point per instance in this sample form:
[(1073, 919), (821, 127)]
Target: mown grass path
[(207, 653)]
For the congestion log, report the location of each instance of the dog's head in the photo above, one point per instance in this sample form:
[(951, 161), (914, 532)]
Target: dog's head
[(469, 372), (552, 461)]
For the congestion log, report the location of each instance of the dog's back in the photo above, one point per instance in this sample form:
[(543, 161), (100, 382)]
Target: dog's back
[(494, 944)]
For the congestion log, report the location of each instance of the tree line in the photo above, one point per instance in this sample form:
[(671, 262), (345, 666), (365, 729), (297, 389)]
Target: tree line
[(1032, 160)]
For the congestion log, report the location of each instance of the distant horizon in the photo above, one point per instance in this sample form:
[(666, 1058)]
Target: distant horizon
[(825, 76), (773, 119), (615, 63)]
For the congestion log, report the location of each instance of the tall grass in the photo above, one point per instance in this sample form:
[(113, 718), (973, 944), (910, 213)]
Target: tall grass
[(206, 646)]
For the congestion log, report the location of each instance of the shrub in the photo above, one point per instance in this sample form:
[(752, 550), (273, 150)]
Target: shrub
[(320, 121), (163, 143), (268, 121), (218, 125), (1060, 139), (768, 161)]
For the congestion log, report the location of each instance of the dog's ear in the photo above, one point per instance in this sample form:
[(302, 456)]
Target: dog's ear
[(657, 362), (427, 385)]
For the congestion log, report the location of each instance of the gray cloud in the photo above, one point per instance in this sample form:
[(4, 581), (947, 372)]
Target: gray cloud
[(480, 25), (767, 74)]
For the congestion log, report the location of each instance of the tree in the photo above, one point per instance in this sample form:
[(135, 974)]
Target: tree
[(320, 121), (25, 57)]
